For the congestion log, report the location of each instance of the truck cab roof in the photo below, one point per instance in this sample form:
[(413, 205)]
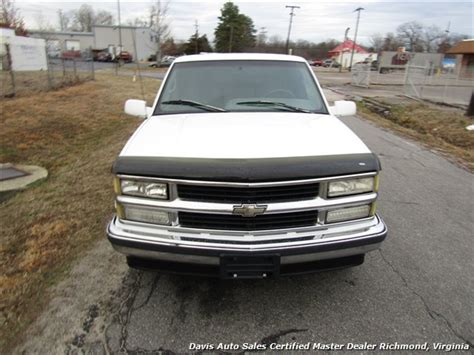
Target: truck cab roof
[(238, 56)]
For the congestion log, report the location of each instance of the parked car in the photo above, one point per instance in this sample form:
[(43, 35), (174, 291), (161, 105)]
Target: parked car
[(242, 170), (124, 56), (71, 54), (103, 56), (54, 53), (374, 65), (317, 63), (166, 61), (330, 63)]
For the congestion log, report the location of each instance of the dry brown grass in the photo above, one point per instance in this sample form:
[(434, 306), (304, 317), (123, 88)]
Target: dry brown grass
[(75, 133), (443, 130)]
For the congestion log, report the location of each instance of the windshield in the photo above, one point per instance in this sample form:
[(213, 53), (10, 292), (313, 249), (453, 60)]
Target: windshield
[(239, 85)]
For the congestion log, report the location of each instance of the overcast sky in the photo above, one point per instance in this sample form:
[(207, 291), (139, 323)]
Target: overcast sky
[(314, 21)]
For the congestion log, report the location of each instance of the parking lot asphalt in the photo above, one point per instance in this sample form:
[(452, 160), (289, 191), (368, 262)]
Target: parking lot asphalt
[(418, 288)]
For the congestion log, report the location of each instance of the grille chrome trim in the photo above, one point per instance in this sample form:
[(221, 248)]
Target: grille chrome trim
[(247, 242), (228, 208), (172, 236), (245, 184)]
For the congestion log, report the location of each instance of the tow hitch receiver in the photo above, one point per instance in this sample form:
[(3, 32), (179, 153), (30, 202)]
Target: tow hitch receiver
[(249, 267)]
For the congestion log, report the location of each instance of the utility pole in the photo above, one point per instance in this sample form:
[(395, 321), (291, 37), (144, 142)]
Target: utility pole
[(448, 28), (292, 13), (119, 28), (261, 37), (196, 36), (358, 10), (342, 49)]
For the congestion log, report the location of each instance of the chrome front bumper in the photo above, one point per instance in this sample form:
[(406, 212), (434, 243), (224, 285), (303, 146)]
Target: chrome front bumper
[(172, 244)]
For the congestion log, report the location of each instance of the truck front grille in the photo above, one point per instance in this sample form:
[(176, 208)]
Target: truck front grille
[(233, 222), (239, 195), (243, 242)]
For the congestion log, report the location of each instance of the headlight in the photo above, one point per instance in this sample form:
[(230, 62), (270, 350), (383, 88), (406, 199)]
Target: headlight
[(147, 215), (144, 189), (347, 214), (350, 187)]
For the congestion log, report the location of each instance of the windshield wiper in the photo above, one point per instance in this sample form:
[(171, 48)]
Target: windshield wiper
[(273, 103), (194, 104)]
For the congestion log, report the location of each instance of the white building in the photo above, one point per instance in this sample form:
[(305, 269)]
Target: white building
[(137, 40)]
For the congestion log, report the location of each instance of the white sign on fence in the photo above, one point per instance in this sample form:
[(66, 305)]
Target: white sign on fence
[(26, 53)]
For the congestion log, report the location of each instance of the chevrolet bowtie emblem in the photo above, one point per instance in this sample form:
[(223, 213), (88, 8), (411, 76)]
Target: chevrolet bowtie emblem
[(249, 210)]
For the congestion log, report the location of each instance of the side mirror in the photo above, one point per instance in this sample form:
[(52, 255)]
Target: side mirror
[(344, 108), (137, 108)]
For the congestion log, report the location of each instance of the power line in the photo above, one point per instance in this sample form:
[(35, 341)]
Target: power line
[(292, 13)]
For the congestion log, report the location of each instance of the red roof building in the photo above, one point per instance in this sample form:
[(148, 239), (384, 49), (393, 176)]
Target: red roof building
[(346, 47), (465, 49)]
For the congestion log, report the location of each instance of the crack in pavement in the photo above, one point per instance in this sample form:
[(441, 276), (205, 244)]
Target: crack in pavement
[(273, 338), (150, 293), (159, 351), (403, 202), (433, 314), (127, 304)]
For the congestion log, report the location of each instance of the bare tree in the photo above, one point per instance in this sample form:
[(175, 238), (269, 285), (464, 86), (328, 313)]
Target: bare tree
[(103, 17), (449, 40), (138, 22), (391, 42), (159, 25), (275, 41), (42, 24), (10, 17), (83, 18), (64, 19), (377, 42), (411, 33), (157, 21), (432, 38)]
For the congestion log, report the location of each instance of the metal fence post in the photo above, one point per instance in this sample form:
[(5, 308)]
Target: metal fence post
[(92, 63), (470, 108), (10, 69), (50, 82), (405, 80), (74, 67), (64, 68), (445, 89)]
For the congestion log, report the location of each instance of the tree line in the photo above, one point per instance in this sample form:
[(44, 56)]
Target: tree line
[(416, 37), (235, 32)]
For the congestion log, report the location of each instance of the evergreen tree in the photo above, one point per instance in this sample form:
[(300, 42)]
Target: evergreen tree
[(235, 32), (195, 46)]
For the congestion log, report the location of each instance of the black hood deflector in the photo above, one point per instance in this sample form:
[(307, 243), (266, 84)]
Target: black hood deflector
[(247, 170)]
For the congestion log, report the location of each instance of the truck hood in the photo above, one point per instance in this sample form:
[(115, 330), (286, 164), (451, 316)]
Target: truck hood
[(243, 135)]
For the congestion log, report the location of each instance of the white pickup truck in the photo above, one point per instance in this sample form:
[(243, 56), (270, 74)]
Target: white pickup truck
[(241, 170)]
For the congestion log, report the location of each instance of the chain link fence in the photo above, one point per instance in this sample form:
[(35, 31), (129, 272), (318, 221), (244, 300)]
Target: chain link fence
[(423, 82), (61, 72), (360, 75), (433, 84)]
